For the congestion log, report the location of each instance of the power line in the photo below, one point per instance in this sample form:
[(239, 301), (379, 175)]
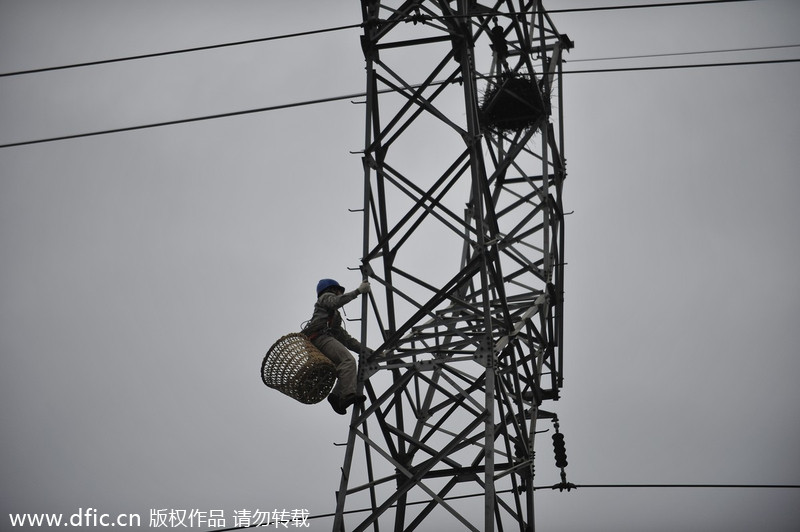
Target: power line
[(555, 486), (188, 120), (360, 95), (675, 54), (329, 30), (640, 6), (181, 51), (362, 510), (423, 18), (707, 486), (674, 67)]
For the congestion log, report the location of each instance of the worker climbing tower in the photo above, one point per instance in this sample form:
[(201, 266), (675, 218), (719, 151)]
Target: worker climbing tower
[(463, 244)]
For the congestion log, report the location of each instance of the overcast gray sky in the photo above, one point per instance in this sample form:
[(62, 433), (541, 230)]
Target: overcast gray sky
[(144, 274)]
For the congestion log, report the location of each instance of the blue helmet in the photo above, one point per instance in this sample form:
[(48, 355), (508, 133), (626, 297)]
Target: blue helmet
[(325, 284)]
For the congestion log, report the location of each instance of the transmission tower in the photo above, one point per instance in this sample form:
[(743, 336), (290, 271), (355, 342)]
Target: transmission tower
[(463, 244)]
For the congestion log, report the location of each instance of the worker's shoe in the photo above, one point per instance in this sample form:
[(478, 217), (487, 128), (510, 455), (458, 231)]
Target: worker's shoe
[(352, 399), (336, 403)]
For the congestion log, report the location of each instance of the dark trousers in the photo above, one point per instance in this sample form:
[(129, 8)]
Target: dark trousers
[(344, 361)]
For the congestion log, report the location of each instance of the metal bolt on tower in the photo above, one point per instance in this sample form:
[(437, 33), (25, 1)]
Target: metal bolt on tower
[(463, 243)]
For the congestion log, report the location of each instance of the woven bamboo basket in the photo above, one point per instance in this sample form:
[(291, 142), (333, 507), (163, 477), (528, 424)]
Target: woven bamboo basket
[(295, 367)]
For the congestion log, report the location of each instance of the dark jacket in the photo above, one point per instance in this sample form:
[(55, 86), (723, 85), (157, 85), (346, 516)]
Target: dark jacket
[(327, 319)]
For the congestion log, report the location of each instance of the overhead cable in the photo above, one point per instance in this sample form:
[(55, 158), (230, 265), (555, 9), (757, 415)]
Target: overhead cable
[(674, 67), (362, 510), (556, 486), (188, 120), (329, 30), (675, 54), (640, 6), (424, 18), (707, 486), (181, 51), (361, 95)]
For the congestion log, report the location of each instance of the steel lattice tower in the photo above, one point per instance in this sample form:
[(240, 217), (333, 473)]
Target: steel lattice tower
[(463, 244)]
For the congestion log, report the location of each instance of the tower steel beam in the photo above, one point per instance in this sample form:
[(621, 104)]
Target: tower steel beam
[(463, 244)]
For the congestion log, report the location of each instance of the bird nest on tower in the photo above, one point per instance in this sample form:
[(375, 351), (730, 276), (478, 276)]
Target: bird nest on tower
[(513, 103)]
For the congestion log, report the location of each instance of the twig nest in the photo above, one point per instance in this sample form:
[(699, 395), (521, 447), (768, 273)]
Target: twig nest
[(514, 103)]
